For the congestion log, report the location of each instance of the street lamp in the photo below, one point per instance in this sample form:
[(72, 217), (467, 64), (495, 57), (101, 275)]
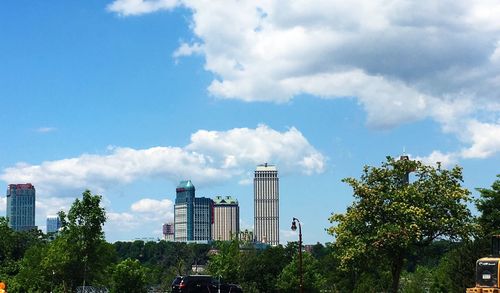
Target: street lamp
[(294, 228)]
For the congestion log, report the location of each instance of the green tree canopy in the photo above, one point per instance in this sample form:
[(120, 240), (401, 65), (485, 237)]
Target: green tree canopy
[(129, 276), (489, 206), (313, 280), (392, 217)]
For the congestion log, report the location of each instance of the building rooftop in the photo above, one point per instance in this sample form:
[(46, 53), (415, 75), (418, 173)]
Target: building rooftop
[(266, 167), (186, 184), (225, 200), (21, 186)]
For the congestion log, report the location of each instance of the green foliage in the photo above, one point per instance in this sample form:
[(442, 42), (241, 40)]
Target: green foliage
[(313, 280), (226, 261), (456, 269), (129, 276), (391, 218), (489, 206), (419, 281), (79, 254)]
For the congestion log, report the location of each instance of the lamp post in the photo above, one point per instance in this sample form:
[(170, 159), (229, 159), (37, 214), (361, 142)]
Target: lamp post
[(294, 227)]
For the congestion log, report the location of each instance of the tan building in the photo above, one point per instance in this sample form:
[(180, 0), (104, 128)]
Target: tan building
[(226, 218), (266, 205)]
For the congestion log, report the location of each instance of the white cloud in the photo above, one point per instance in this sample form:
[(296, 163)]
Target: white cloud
[(146, 216), (402, 60), (445, 159), (121, 221), (3, 204), (495, 56), (244, 146), (45, 129), (154, 209), (396, 56), (212, 156), (137, 7), (188, 50), (484, 139)]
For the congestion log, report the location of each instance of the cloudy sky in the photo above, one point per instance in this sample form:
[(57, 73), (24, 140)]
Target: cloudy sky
[(128, 97)]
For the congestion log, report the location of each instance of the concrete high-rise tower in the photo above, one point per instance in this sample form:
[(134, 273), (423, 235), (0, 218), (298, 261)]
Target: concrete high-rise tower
[(21, 206), (226, 218), (266, 204)]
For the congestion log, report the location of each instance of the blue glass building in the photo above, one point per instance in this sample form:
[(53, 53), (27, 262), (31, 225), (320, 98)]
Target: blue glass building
[(53, 224), (193, 217), (21, 206)]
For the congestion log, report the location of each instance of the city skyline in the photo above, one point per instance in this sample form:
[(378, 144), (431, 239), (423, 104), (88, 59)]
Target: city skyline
[(129, 97)]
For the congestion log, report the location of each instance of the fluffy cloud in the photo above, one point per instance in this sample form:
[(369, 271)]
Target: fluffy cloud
[(155, 209), (137, 7), (445, 159), (3, 203), (484, 139), (243, 147), (402, 60), (210, 157), (144, 213)]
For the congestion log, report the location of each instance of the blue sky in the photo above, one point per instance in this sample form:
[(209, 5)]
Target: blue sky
[(128, 97)]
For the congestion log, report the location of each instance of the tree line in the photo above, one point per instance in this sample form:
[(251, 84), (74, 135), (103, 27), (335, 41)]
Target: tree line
[(409, 229)]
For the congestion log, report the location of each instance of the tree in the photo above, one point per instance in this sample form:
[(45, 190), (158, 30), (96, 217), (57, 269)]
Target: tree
[(129, 276), (80, 254), (314, 281), (489, 206), (225, 262), (392, 217)]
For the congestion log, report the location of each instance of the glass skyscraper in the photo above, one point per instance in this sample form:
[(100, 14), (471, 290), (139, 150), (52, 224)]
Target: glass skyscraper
[(193, 217), (21, 206), (53, 224), (266, 205)]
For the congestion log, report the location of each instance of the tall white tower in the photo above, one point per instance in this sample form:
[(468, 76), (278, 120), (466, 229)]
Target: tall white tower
[(266, 204)]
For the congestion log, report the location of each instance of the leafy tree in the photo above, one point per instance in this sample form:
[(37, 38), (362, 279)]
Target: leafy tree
[(33, 276), (392, 217), (259, 269), (489, 206), (313, 280), (417, 282), (225, 262), (129, 276), (80, 254)]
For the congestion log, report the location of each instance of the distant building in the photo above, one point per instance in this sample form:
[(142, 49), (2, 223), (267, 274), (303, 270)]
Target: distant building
[(246, 236), (21, 206), (168, 232), (226, 218), (266, 204), (193, 216), (53, 224), (203, 219)]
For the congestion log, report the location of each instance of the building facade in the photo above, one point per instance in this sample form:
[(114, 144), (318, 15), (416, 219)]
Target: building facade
[(168, 232), (226, 218), (266, 204), (21, 206), (53, 224), (183, 211), (193, 216), (203, 219)]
